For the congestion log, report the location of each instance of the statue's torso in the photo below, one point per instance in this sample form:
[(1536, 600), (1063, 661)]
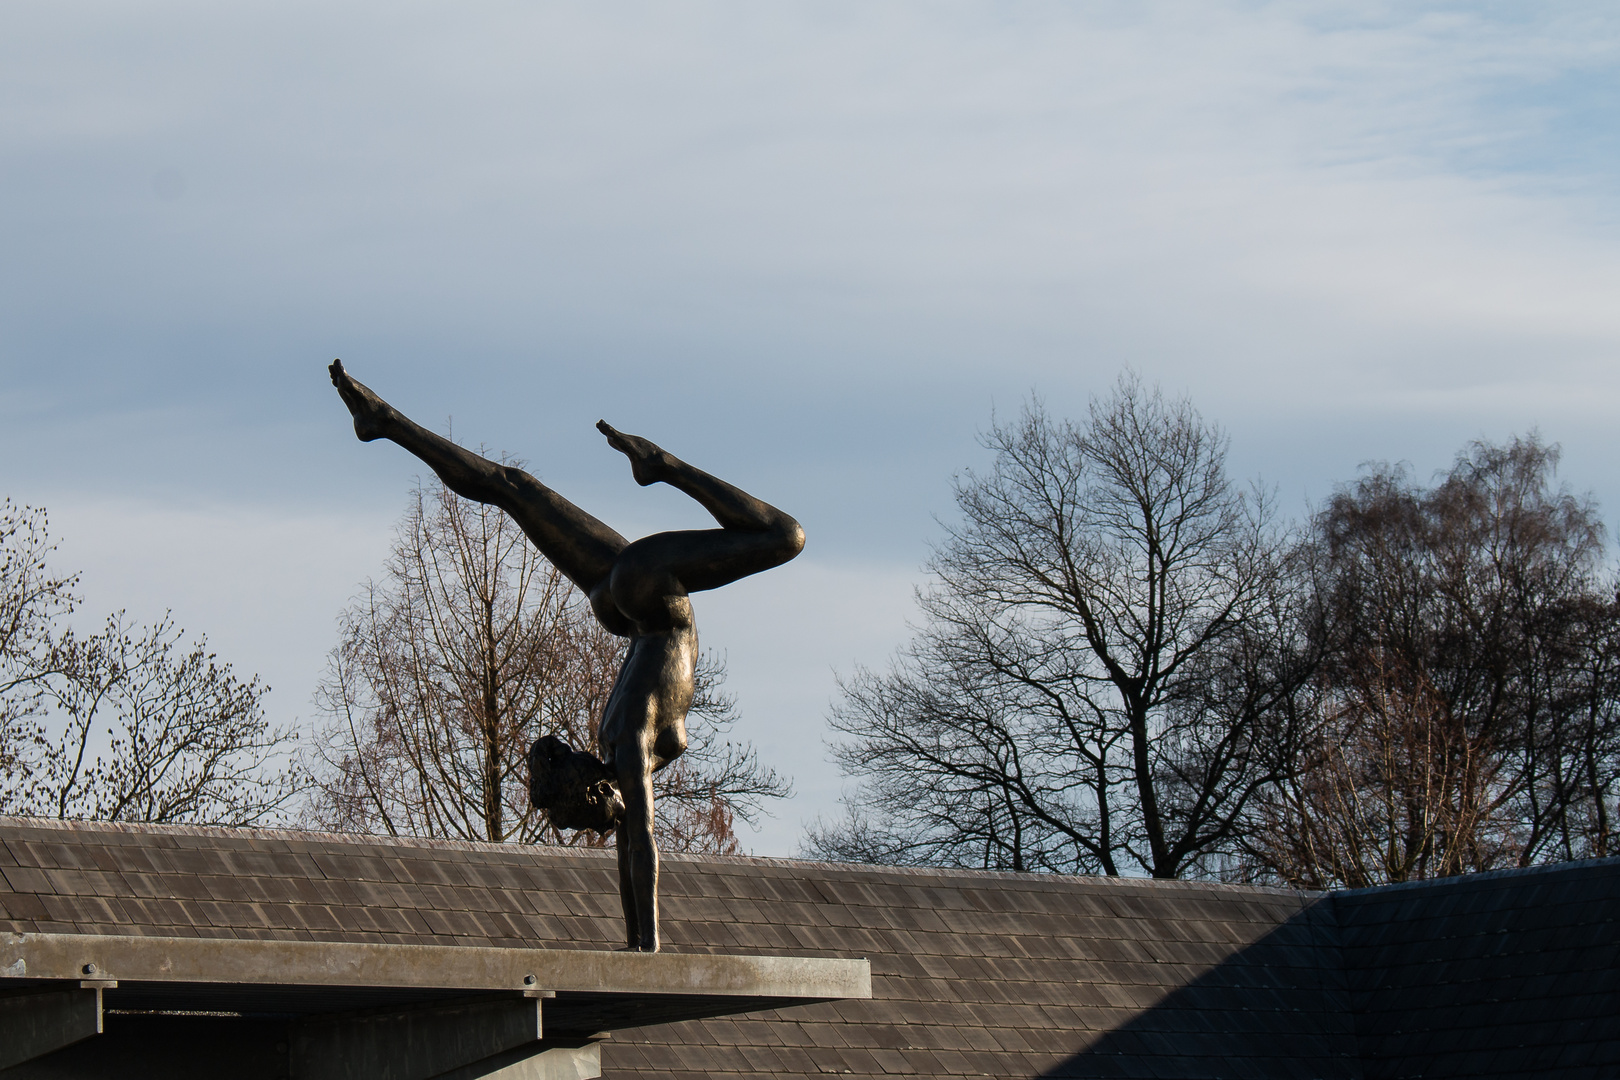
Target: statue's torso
[(654, 688)]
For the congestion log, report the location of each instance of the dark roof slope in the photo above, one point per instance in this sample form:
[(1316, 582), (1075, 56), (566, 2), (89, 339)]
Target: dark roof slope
[(973, 973), (1504, 974)]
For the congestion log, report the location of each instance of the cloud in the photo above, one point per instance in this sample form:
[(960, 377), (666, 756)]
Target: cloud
[(807, 245), (641, 179)]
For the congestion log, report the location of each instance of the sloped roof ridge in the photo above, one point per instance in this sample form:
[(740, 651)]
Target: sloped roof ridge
[(319, 837), (1006, 875), (316, 836), (1458, 880)]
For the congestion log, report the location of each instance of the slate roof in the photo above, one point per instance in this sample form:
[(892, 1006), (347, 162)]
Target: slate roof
[(974, 974), (1513, 973)]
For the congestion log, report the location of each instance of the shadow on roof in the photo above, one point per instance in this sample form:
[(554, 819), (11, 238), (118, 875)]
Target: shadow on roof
[(1512, 974)]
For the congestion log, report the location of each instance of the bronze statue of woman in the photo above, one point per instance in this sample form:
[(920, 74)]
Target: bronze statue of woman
[(638, 591)]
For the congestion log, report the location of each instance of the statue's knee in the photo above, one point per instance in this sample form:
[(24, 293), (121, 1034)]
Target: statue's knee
[(793, 538)]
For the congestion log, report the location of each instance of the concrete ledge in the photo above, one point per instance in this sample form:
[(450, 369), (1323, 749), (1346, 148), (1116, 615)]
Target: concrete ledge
[(356, 1011), (440, 967)]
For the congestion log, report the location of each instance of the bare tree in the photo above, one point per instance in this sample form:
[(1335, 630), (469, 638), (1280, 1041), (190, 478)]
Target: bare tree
[(1089, 691), (32, 604), (1466, 716), (185, 740), (1572, 760), (1393, 786), (471, 647), (130, 723)]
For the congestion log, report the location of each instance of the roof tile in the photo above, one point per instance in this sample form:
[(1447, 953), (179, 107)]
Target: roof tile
[(973, 973)]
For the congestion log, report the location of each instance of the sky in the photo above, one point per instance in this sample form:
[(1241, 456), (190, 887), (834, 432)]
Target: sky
[(814, 248)]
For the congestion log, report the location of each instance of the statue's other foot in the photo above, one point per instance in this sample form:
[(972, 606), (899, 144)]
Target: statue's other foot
[(370, 412), (649, 463)]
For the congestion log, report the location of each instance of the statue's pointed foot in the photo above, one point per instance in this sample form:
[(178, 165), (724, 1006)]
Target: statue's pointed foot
[(649, 463), (370, 412)]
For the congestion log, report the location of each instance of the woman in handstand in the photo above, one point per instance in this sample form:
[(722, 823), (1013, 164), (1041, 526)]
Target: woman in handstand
[(637, 590)]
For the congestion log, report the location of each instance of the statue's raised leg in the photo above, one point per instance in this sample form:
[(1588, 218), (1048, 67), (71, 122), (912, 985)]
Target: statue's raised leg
[(581, 546)]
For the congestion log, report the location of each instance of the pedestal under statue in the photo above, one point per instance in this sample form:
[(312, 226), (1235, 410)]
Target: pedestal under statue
[(638, 591)]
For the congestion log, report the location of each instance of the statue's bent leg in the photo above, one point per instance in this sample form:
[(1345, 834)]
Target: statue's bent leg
[(731, 506), (672, 563)]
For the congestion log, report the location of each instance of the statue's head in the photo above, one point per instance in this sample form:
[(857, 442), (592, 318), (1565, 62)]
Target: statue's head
[(577, 790)]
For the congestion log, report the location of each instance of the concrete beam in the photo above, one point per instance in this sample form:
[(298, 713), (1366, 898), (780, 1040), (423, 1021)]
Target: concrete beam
[(549, 1060), (136, 1047), (411, 1044), (450, 967), (35, 1024)]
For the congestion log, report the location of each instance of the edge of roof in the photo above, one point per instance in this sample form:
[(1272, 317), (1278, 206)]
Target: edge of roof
[(318, 837), (1461, 880)]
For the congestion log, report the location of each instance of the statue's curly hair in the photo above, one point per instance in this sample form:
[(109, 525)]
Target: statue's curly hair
[(576, 789)]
